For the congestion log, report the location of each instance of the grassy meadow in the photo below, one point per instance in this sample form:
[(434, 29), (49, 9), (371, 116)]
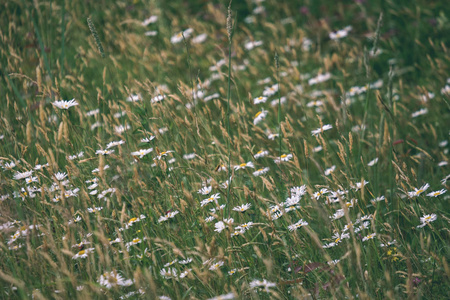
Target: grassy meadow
[(205, 150)]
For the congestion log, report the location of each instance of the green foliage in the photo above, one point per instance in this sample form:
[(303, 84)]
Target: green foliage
[(355, 122)]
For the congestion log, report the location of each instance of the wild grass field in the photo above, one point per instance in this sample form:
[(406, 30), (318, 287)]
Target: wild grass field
[(211, 150)]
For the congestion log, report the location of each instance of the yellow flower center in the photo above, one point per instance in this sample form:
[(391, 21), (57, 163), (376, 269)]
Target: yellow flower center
[(242, 165), (436, 193), (337, 240), (419, 191), (258, 113), (136, 241), (132, 220), (81, 252), (283, 156), (427, 218)]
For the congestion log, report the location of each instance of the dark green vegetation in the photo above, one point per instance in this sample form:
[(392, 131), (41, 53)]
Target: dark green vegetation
[(350, 101)]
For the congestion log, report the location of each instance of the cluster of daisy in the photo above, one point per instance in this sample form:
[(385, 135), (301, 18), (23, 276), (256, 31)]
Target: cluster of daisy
[(341, 33), (168, 215), (21, 232), (418, 191), (113, 279), (169, 272), (338, 237)]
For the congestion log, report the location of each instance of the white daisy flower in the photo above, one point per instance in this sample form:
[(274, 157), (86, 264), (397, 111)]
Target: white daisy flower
[(205, 190), (297, 225), (83, 253), (437, 193), (263, 284), (179, 36), (112, 279), (214, 197), (243, 207), (426, 219), (319, 78), (220, 226), (417, 192), (321, 129), (244, 165), (115, 143), (369, 237), (104, 152), (252, 44), (134, 98), (63, 104), (261, 153), (147, 139), (283, 157), (216, 265), (167, 216), (373, 162), (150, 20), (200, 38), (169, 273), (260, 172), (259, 116), (271, 90), (260, 99), (337, 35), (330, 170), (23, 175), (60, 176), (420, 112), (142, 152)]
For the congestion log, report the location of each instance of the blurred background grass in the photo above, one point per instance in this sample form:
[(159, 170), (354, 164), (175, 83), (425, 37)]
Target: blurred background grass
[(47, 53)]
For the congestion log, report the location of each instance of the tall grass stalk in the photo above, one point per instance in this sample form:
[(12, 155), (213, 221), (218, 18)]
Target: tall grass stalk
[(277, 68), (230, 31), (63, 38), (367, 67)]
